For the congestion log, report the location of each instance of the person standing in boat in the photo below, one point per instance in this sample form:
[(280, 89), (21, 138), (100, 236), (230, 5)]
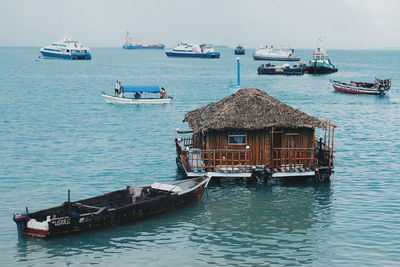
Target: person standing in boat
[(163, 93), (116, 88), (121, 90)]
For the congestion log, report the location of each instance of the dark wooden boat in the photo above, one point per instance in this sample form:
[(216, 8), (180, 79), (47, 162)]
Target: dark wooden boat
[(378, 87), (130, 204), (285, 69)]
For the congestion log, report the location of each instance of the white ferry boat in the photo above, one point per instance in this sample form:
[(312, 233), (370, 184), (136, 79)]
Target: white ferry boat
[(270, 53), (187, 49), (65, 48)]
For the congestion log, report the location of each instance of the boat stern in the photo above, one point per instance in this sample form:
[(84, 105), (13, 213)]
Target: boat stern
[(21, 219)]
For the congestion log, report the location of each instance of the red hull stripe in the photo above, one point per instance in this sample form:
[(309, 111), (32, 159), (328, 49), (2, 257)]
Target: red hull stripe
[(344, 90), (36, 233)]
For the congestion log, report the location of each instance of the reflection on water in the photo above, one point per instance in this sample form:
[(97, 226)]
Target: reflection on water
[(236, 223)]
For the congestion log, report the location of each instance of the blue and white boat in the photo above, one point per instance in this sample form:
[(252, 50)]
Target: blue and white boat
[(152, 94), (192, 50), (239, 50), (65, 48)]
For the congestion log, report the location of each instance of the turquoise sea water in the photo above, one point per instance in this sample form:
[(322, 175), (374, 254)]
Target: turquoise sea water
[(56, 133)]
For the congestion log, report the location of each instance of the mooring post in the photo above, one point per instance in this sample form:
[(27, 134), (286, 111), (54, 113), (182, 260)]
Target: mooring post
[(238, 72)]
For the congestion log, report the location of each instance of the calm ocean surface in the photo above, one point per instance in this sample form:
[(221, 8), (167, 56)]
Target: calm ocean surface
[(56, 133)]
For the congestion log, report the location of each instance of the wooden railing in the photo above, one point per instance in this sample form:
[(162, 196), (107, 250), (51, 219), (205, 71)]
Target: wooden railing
[(292, 158), (187, 141), (216, 160), (239, 160)]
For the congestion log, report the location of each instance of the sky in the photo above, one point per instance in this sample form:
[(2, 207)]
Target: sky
[(342, 24)]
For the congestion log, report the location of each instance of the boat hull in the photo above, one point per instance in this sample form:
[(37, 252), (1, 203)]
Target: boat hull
[(75, 221), (240, 52), (257, 57), (193, 55), (121, 100), (143, 47), (75, 56), (320, 70), (270, 71)]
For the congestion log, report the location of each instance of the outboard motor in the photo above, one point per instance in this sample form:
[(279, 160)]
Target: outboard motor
[(21, 219)]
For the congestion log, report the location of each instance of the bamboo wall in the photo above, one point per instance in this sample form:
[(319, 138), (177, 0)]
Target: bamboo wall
[(260, 142)]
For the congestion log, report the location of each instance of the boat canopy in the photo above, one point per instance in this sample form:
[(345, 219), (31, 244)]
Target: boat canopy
[(145, 89)]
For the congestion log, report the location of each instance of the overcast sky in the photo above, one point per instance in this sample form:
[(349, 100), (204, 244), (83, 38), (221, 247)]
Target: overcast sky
[(347, 24)]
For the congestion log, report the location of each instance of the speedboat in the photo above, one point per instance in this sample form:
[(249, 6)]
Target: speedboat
[(378, 87), (152, 94), (285, 69), (320, 63), (272, 54), (65, 48), (239, 50), (187, 49), (127, 205)]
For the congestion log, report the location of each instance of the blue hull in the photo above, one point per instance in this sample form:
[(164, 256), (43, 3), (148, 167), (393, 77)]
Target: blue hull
[(240, 52), (76, 56), (205, 55), (143, 47)]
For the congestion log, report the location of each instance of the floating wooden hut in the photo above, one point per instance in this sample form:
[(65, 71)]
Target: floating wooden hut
[(251, 133)]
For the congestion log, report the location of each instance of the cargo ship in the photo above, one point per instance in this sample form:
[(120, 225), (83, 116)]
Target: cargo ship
[(130, 43)]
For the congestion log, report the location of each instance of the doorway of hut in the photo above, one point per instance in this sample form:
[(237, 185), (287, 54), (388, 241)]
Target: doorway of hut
[(276, 136)]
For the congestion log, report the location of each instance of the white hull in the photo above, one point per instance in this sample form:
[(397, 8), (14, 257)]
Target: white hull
[(121, 100)]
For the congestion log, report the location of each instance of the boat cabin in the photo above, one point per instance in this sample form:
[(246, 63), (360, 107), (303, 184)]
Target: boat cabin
[(251, 133)]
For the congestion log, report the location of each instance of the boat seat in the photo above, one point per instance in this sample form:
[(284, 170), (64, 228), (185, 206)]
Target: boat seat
[(135, 192)]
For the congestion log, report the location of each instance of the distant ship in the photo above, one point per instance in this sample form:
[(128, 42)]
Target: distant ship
[(239, 50), (187, 49), (269, 53), (65, 48), (130, 43), (320, 63)]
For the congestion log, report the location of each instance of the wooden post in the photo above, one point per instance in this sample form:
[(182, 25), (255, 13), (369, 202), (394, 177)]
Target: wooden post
[(332, 151), (272, 157)]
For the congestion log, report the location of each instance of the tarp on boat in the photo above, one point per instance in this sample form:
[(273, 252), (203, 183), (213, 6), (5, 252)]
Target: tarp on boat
[(145, 89)]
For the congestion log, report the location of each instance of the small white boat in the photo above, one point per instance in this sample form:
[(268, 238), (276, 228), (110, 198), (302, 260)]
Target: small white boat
[(140, 95)]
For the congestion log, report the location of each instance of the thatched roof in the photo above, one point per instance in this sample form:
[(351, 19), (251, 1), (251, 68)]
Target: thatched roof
[(250, 109)]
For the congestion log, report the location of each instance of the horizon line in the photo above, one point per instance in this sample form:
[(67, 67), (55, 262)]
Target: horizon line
[(221, 46)]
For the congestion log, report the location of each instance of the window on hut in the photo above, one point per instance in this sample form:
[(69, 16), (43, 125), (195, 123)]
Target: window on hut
[(237, 138)]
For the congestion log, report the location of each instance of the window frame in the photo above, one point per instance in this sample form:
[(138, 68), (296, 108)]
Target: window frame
[(236, 133)]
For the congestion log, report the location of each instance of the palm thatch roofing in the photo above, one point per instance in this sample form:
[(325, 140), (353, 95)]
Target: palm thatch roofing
[(250, 109)]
